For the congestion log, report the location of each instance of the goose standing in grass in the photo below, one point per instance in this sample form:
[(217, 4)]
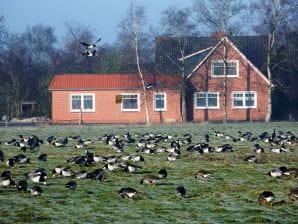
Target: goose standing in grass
[(36, 190), (150, 179), (60, 143), (293, 172), (127, 192), (72, 185), (180, 191), (137, 158), (22, 185), (293, 195), (162, 173), (67, 172), (202, 174), (21, 158), (132, 168), (266, 197), (10, 162), (38, 176), (96, 174), (277, 172), (43, 157), (81, 174), (6, 181), (251, 159)]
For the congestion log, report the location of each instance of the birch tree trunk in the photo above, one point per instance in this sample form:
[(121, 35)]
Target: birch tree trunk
[(143, 82), (225, 82), (269, 74)]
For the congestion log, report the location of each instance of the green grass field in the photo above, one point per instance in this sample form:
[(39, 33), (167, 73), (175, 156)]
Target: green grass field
[(229, 195)]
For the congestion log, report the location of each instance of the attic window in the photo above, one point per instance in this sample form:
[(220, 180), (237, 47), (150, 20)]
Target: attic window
[(217, 68)]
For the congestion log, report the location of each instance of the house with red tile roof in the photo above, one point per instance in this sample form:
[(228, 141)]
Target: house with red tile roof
[(240, 95), (114, 98)]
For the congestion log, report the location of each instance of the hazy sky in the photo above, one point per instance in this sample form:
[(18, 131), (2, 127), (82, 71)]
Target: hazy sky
[(102, 16)]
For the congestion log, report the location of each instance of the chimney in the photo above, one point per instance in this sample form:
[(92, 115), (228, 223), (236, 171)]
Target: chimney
[(218, 35)]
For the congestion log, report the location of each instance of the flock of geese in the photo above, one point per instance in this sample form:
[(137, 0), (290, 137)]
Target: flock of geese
[(147, 143)]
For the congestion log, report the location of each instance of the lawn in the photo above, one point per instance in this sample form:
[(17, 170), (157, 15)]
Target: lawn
[(228, 195)]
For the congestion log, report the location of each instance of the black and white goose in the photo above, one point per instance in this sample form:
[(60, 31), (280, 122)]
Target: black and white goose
[(180, 191), (22, 185), (6, 181), (38, 176), (89, 46), (162, 173), (43, 157), (132, 168), (266, 197), (127, 192), (36, 190), (81, 174), (67, 172), (72, 185), (97, 174), (21, 158), (60, 142), (277, 172), (251, 159), (10, 162)]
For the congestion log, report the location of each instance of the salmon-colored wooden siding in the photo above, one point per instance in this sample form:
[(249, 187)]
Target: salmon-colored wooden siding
[(107, 111), (250, 79)]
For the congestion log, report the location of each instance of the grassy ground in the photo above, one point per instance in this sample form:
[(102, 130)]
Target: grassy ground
[(229, 195)]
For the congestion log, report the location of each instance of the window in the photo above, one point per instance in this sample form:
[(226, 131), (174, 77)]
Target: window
[(244, 99), (206, 100), (217, 68), (82, 101), (160, 102), (130, 102)]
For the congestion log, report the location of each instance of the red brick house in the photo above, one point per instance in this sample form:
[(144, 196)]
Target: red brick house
[(91, 98), (246, 86)]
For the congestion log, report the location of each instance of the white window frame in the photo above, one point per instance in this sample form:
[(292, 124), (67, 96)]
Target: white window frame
[(129, 110), (165, 101), (244, 99), (82, 102), (206, 98), (222, 61)]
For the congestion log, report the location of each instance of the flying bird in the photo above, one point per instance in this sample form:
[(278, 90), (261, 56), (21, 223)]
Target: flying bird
[(89, 46)]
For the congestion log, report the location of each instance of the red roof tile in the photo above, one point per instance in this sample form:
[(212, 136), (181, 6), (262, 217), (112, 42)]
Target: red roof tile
[(111, 81)]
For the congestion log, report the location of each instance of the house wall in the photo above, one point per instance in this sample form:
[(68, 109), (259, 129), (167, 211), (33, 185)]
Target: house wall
[(249, 80), (107, 111)]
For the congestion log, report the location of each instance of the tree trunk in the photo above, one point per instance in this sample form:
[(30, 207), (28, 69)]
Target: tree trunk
[(225, 84), (183, 103), (270, 47), (143, 83)]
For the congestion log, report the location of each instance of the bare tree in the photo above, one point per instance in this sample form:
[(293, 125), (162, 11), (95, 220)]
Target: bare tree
[(220, 15), (3, 33), (178, 25), (131, 32), (274, 17)]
